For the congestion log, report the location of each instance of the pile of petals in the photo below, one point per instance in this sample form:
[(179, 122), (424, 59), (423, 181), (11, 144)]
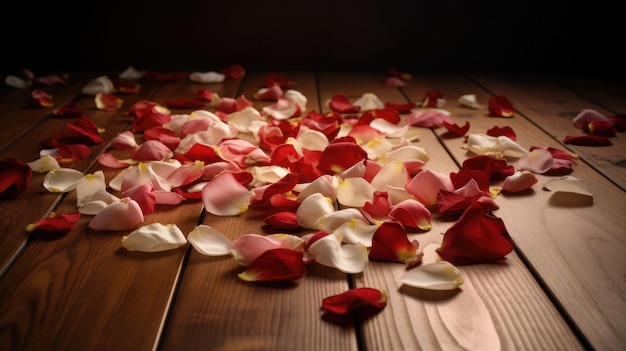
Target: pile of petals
[(353, 179), (598, 128)]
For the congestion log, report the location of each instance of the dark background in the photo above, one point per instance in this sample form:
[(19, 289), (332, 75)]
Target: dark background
[(572, 38)]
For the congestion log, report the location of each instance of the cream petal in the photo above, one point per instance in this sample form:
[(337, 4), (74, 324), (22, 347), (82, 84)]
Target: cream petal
[(98, 85), (569, 191), (312, 209), (389, 129), (131, 73), (122, 215), (154, 237), (62, 180), (43, 164), (208, 241), (440, 275), (16, 82), (496, 147), (469, 100), (354, 192), (93, 207), (243, 119), (391, 174), (368, 102), (325, 184), (332, 221), (283, 109), (207, 77), (348, 258), (312, 139), (89, 185), (357, 232), (297, 97)]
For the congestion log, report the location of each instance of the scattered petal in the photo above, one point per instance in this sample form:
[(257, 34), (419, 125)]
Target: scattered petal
[(440, 275), (154, 237), (56, 223), (353, 299), (15, 177), (122, 215)]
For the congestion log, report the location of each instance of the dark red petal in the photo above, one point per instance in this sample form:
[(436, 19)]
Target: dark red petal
[(276, 265), (184, 103), (390, 243), (283, 220), (56, 223), (506, 131), (587, 140), (15, 177), (500, 106), (353, 299), (340, 103), (476, 237), (339, 156), (234, 71), (456, 129), (601, 128)]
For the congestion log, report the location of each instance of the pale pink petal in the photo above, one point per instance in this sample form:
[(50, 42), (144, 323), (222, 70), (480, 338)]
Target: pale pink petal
[(186, 174), (168, 198), (428, 118), (389, 129), (151, 150), (122, 215), (208, 241), (272, 93), (520, 180), (394, 82), (354, 192), (364, 134), (426, 185), (225, 196), (348, 258), (587, 115), (62, 180), (154, 237), (215, 168), (109, 160), (144, 173), (537, 161), (124, 141), (312, 209)]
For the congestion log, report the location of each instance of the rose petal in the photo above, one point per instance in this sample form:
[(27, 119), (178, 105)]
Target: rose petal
[(154, 237), (433, 276), (354, 299), (122, 215), (208, 241)]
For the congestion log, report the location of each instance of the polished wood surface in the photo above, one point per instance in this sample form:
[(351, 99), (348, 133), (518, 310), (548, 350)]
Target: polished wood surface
[(561, 289)]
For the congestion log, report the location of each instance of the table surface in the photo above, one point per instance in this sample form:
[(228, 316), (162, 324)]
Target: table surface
[(561, 288)]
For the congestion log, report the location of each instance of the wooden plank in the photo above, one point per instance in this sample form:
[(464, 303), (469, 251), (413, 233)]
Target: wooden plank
[(608, 94), (214, 309), (553, 109), (82, 290), (17, 116), (513, 311), (576, 251), (36, 202)]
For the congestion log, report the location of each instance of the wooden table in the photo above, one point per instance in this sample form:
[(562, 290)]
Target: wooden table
[(562, 288)]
